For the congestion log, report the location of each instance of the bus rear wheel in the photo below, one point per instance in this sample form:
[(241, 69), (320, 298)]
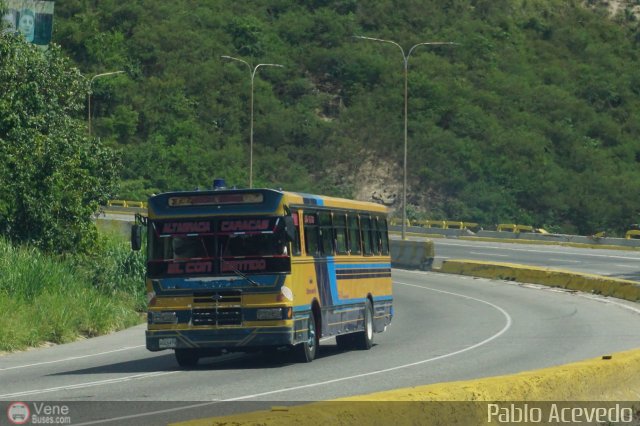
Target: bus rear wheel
[(345, 341), (364, 339), (187, 358), (306, 351)]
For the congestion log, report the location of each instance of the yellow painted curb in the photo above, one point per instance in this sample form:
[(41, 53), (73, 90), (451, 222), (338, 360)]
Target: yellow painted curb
[(599, 379), (596, 284)]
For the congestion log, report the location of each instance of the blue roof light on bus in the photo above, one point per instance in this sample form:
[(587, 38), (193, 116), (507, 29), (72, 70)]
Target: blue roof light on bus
[(219, 184)]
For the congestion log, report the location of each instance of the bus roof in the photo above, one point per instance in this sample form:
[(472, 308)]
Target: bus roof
[(245, 201), (298, 198)]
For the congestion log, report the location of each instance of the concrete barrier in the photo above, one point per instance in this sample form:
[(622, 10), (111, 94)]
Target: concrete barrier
[(412, 254), (433, 232), (565, 239), (596, 284)]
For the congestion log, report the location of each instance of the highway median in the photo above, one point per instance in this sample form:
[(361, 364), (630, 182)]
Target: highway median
[(590, 283)]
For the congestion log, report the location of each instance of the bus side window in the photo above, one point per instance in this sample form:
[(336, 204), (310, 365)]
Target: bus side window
[(365, 224), (326, 232), (295, 244), (384, 234), (311, 239), (340, 228), (354, 235), (375, 236)]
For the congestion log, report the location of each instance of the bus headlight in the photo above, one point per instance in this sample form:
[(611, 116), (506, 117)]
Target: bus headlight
[(164, 317), (272, 313)]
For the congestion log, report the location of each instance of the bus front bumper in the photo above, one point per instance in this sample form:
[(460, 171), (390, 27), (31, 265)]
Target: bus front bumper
[(230, 339)]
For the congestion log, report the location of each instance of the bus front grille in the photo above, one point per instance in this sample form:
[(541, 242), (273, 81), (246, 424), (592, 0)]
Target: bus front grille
[(217, 316), (230, 296)]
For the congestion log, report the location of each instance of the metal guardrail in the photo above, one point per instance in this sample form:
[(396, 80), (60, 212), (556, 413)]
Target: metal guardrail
[(126, 203), (445, 224), (631, 234), (516, 229), (439, 224)]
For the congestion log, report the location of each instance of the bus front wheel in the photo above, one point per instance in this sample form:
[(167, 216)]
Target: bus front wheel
[(187, 358), (306, 351)]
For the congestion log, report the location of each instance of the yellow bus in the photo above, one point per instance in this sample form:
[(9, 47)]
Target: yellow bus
[(263, 269)]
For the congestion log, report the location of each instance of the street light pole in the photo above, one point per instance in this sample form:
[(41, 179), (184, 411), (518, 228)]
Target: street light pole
[(252, 72), (89, 94), (405, 59)]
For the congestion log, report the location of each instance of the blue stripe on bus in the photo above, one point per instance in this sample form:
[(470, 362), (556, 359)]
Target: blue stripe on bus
[(301, 308), (362, 271), (363, 265), (333, 281), (323, 280), (313, 200), (331, 267)]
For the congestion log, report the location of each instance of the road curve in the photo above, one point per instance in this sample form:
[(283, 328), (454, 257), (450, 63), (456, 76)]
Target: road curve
[(446, 328)]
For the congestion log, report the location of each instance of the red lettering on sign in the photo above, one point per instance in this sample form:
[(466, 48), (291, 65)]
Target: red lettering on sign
[(243, 265), (244, 225), (175, 268), (189, 268), (198, 267), (186, 227), (309, 219)]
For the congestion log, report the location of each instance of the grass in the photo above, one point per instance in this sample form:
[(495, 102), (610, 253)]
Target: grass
[(59, 299)]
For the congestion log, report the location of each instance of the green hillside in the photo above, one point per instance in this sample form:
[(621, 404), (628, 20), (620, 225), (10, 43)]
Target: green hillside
[(533, 118)]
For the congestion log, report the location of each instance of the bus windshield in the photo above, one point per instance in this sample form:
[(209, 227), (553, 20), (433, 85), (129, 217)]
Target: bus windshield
[(215, 247)]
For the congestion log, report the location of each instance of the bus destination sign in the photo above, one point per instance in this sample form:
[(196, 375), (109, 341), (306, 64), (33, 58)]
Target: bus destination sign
[(215, 199)]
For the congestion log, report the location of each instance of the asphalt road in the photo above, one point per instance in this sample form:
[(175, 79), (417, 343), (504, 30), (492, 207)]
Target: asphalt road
[(446, 328), (614, 263)]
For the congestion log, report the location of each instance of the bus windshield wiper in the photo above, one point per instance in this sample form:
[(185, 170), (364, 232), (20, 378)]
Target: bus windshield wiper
[(240, 274)]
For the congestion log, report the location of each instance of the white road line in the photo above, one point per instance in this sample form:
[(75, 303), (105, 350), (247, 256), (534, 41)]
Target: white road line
[(150, 413), (73, 358), (488, 254), (627, 266), (596, 298), (610, 302), (399, 367), (87, 384)]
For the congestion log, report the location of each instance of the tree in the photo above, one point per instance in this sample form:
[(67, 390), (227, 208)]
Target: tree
[(52, 174)]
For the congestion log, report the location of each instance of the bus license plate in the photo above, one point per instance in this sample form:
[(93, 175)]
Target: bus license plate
[(167, 342)]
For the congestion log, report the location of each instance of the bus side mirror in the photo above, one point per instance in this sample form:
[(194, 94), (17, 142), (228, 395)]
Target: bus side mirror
[(136, 237), (289, 228)]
